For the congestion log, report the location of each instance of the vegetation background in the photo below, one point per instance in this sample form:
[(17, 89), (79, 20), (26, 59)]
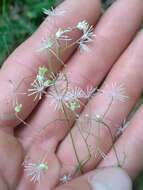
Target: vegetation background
[(18, 20)]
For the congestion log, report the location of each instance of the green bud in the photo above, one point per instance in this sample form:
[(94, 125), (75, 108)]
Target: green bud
[(18, 108), (48, 83), (74, 105), (43, 166), (42, 71)]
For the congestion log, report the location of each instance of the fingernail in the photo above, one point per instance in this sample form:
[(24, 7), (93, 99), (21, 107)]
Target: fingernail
[(112, 178)]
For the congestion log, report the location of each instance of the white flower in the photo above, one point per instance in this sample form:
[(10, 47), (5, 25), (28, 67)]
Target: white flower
[(83, 26), (37, 89), (115, 92), (65, 179), (46, 44), (90, 91), (61, 34), (56, 98), (54, 12), (64, 96), (41, 83), (75, 92), (86, 38), (35, 170), (69, 97)]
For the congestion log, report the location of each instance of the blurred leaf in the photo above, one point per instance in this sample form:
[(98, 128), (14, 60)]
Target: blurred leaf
[(138, 185)]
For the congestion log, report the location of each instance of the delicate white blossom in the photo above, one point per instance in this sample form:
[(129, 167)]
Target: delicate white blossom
[(46, 44), (65, 179), (90, 91), (115, 92), (86, 38), (69, 97), (37, 88), (40, 83), (54, 12), (83, 26), (35, 170), (62, 34)]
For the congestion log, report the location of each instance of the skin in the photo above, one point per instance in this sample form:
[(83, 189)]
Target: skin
[(116, 53)]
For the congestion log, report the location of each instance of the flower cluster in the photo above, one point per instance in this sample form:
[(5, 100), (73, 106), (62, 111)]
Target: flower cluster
[(63, 94), (115, 92), (65, 179), (46, 44), (35, 170), (40, 83), (87, 36), (69, 96), (62, 35)]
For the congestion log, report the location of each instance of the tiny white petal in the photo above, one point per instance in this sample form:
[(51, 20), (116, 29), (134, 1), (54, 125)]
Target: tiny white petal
[(61, 34), (54, 12), (46, 44), (115, 92), (35, 171), (86, 38), (65, 178)]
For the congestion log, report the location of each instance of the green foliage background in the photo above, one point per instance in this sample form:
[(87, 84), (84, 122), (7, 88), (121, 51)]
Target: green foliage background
[(18, 20)]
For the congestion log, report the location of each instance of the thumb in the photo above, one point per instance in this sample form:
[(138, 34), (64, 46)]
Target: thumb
[(111, 178)]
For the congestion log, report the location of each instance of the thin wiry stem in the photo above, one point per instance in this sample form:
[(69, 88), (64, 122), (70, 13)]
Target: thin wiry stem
[(57, 57), (108, 108), (86, 143), (112, 138), (72, 140), (103, 117), (68, 122), (21, 120)]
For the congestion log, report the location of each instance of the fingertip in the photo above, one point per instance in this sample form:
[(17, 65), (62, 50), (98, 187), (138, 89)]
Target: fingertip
[(110, 178)]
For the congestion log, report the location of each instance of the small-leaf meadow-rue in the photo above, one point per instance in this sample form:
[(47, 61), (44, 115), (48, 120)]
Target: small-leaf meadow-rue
[(61, 93), (35, 170)]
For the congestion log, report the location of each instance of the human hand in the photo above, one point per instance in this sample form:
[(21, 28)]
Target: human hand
[(114, 32)]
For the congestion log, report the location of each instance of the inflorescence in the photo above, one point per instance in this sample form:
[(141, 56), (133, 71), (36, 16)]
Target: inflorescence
[(62, 93)]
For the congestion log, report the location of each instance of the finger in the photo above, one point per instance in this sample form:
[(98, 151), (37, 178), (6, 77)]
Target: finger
[(44, 177), (26, 59), (10, 164), (126, 71), (100, 59), (108, 178), (129, 147)]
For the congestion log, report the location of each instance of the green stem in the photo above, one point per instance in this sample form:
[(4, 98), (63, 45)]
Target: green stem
[(72, 140), (114, 148)]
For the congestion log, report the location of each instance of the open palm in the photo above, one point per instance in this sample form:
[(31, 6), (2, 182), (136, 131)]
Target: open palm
[(113, 54)]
